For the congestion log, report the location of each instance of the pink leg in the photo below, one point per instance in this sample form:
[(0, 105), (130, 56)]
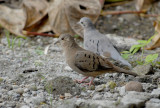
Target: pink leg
[(81, 81), (90, 83)]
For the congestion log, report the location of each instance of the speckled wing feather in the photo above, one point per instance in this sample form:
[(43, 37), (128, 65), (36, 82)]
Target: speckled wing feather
[(89, 62)]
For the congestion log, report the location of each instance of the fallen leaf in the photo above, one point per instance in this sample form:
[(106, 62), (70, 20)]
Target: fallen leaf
[(143, 4), (12, 19), (64, 14), (155, 43)]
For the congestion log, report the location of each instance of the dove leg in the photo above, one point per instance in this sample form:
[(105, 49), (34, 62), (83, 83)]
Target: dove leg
[(90, 83), (81, 81)]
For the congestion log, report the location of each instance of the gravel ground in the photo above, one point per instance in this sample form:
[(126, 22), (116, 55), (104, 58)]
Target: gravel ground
[(32, 79)]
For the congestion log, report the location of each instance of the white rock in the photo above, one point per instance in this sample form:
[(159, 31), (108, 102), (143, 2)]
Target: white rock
[(67, 95), (108, 95), (24, 106), (100, 88), (155, 93), (153, 103), (67, 68), (122, 91), (97, 97), (135, 98)]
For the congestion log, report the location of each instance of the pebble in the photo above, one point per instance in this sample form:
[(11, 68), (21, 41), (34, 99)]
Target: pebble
[(67, 95), (121, 90), (25, 106), (97, 96), (134, 86), (67, 68), (19, 91), (100, 88)]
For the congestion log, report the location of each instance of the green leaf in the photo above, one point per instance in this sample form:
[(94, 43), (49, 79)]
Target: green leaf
[(139, 62), (151, 57), (125, 52), (142, 41), (125, 56)]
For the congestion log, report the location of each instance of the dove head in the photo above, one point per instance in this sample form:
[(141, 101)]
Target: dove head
[(86, 23), (66, 40)]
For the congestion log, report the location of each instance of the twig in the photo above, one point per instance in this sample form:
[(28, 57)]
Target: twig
[(121, 12), (116, 4), (32, 34)]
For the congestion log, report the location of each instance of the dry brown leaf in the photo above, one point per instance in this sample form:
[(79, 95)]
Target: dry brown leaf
[(155, 43), (60, 16), (143, 4), (64, 14), (35, 10), (12, 19)]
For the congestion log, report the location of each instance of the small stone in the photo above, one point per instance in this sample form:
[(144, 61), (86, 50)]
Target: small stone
[(24, 106), (134, 86), (15, 86), (26, 90), (143, 69), (19, 91), (67, 95), (37, 100), (108, 95), (61, 97), (97, 97), (153, 103), (122, 90), (155, 93), (67, 68), (100, 88), (33, 88)]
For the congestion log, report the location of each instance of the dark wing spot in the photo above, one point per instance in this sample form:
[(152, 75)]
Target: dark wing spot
[(85, 55), (90, 40), (97, 46), (89, 56)]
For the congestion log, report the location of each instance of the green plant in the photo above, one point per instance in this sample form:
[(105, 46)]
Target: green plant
[(39, 51), (135, 48), (11, 42)]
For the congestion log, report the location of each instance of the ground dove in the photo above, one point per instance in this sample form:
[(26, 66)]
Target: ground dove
[(98, 43), (86, 62)]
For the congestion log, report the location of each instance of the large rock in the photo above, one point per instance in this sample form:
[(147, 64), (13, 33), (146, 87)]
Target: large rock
[(82, 103), (62, 85), (143, 69), (135, 99), (153, 103)]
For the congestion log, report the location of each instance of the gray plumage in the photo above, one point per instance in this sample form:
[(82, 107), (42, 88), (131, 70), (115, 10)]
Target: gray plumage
[(98, 43)]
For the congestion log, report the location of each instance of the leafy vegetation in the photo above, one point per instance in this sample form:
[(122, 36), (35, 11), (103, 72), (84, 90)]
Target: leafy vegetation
[(135, 48), (12, 40)]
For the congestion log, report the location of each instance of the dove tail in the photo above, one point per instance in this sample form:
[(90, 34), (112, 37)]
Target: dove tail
[(118, 69)]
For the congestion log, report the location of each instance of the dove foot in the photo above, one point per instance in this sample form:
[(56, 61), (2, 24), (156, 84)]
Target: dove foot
[(90, 83), (81, 81)]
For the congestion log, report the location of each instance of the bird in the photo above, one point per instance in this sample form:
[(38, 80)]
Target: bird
[(98, 43), (86, 62)]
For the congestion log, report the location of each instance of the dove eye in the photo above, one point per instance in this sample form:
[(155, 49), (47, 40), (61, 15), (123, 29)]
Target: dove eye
[(62, 39), (81, 22)]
